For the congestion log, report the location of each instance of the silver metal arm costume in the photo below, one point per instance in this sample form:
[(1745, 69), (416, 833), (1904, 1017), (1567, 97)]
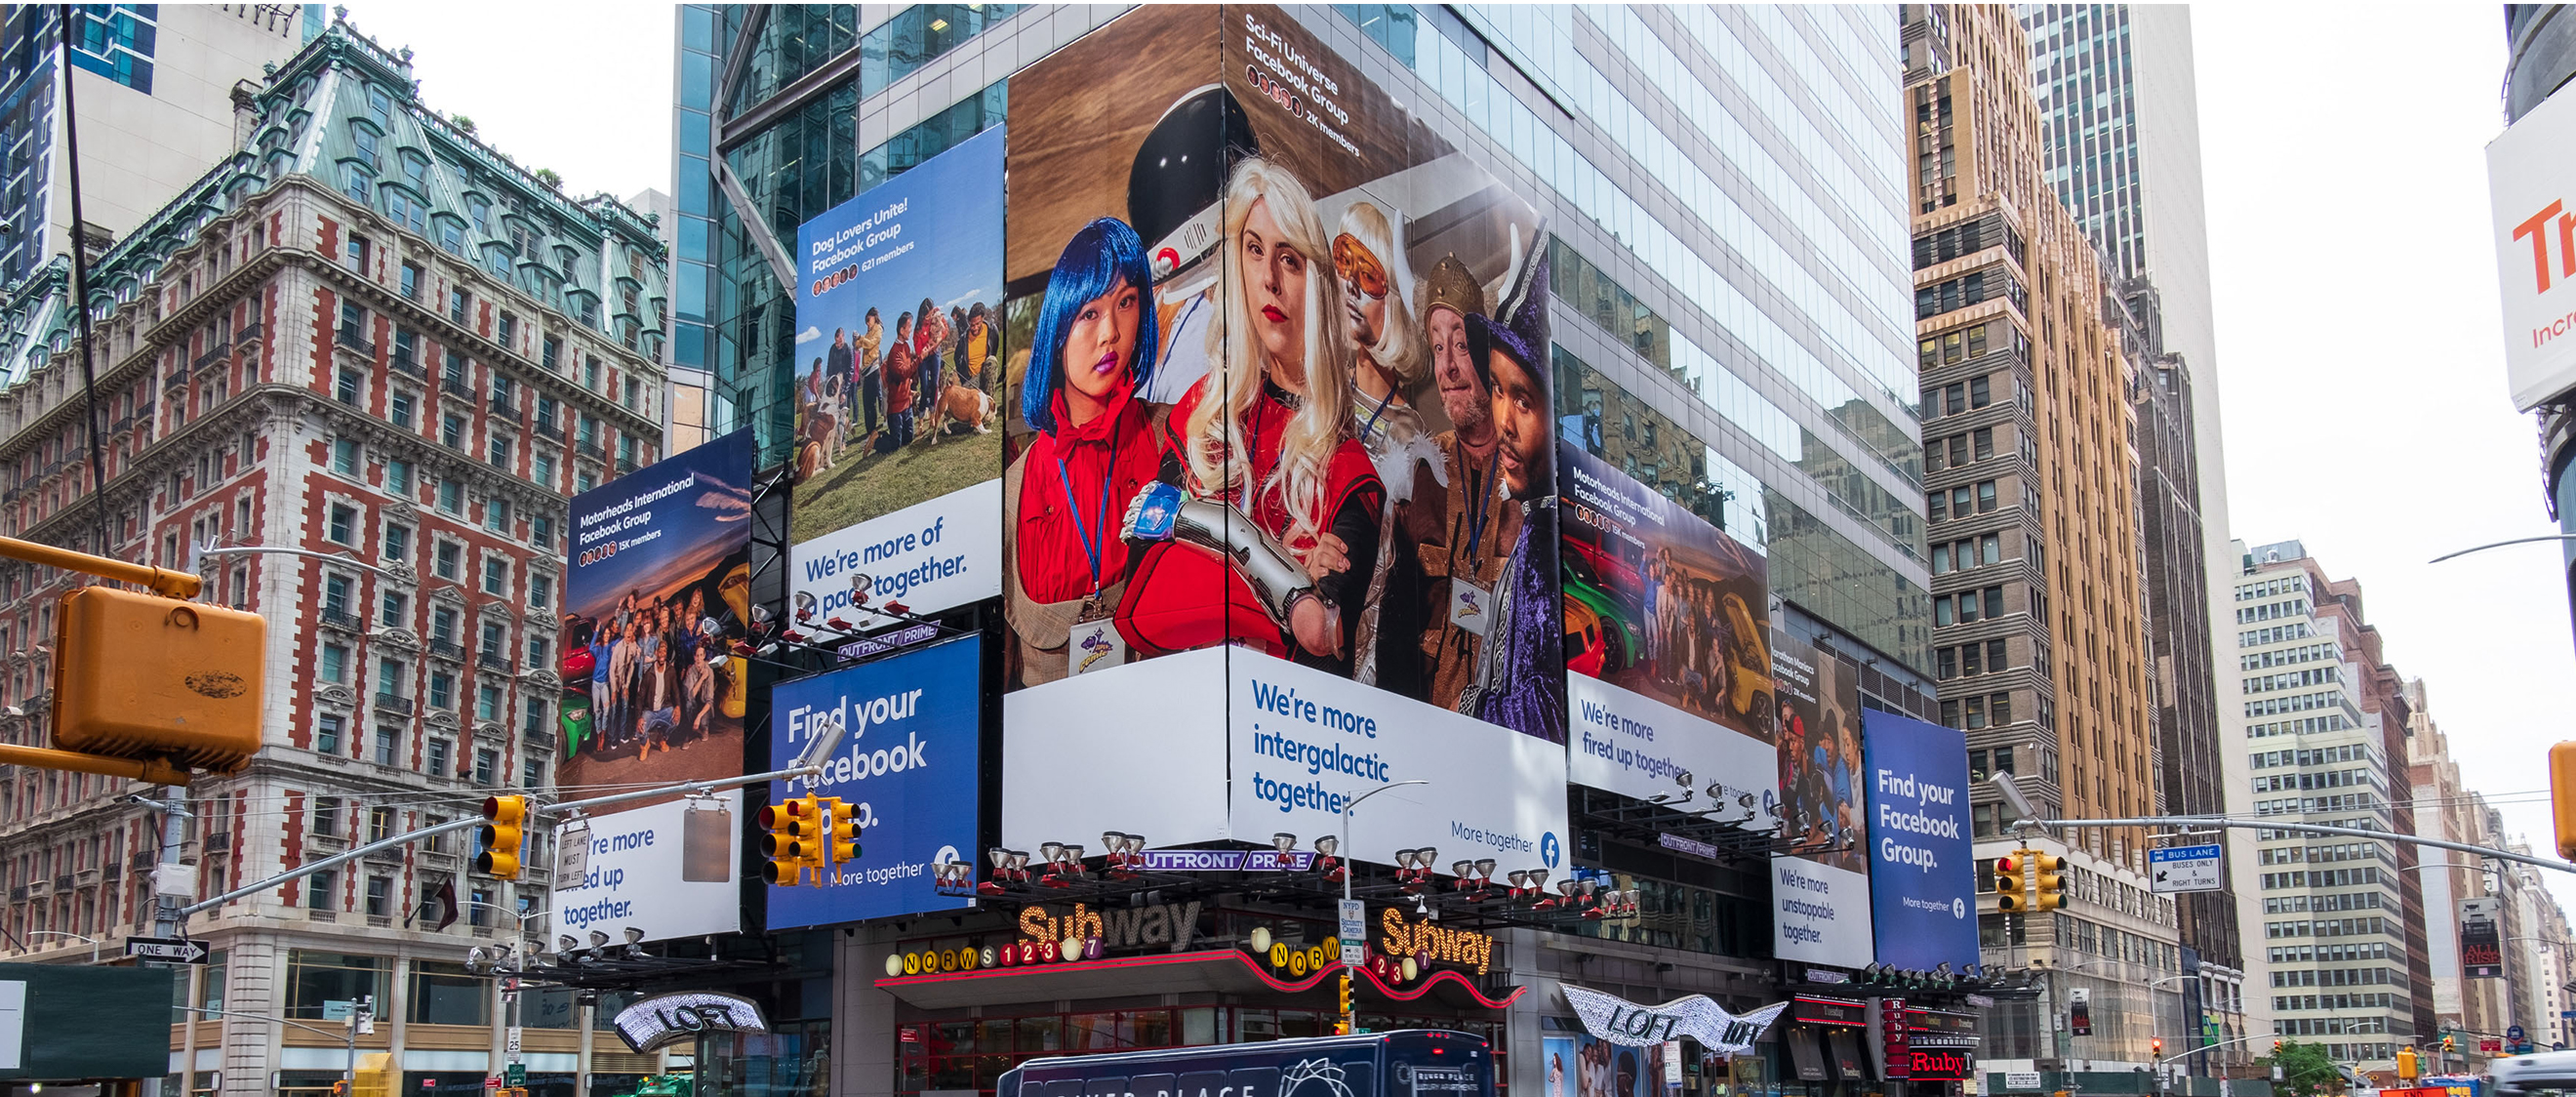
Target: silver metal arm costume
[(1273, 573)]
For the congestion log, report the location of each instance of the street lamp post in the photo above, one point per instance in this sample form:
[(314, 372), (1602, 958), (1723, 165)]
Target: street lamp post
[(1349, 1022)]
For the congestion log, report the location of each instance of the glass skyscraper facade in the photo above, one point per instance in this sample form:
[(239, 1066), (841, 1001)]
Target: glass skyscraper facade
[(2084, 71), (1729, 215)]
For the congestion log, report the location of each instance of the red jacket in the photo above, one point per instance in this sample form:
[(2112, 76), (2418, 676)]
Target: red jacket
[(899, 379), (1118, 446)]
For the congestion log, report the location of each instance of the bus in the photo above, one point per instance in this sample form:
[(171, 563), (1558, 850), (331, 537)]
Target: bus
[(1410, 1063)]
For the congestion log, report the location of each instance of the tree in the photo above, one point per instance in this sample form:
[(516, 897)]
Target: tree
[(462, 122), (2306, 1071), (548, 177)]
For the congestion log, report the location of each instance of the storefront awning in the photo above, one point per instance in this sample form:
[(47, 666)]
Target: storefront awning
[(1222, 970)]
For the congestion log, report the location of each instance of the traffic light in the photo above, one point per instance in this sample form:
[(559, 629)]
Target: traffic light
[(789, 845), (2406, 1063), (139, 676), (2450, 1043), (2562, 796), (845, 832), (2276, 1047), (502, 836), (2014, 896), (2048, 887), (1342, 1026), (2156, 1047)]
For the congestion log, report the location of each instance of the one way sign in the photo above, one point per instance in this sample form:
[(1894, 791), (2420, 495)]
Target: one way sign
[(170, 949)]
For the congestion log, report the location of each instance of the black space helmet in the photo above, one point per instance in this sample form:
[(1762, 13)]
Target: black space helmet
[(1177, 183)]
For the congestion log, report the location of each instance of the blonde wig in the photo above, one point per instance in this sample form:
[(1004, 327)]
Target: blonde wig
[(1322, 421), (1400, 347)]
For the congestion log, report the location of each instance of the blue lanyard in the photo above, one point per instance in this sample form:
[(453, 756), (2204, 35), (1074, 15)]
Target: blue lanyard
[(1370, 427), (1091, 542), (1479, 508)]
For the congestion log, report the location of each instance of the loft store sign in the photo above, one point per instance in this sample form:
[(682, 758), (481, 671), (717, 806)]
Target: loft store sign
[(653, 1023), (1620, 1021)]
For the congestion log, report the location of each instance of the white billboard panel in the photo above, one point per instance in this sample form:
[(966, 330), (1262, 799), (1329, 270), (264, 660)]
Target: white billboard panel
[(929, 556), (1227, 744), (2531, 190), (667, 869)]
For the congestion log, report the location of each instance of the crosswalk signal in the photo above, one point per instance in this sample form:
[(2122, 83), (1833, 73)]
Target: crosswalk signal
[(2048, 885), (2013, 898), (845, 832), (1342, 1026), (502, 836), (789, 845)]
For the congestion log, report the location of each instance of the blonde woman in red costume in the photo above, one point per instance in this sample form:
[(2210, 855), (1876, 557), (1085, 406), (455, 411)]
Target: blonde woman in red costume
[(1268, 432)]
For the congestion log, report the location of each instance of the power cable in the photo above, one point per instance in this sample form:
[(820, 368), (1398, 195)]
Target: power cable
[(80, 290)]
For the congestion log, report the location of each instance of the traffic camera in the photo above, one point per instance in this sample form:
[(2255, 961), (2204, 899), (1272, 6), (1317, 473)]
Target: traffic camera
[(501, 836)]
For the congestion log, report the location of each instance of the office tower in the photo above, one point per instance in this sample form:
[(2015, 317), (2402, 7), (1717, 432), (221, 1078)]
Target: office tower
[(155, 89), (1725, 234), (374, 340), (2121, 134), (2325, 719), (2036, 590)]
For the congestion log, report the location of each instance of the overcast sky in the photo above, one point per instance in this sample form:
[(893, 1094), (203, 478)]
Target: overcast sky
[(582, 88), (2361, 364), (2359, 354)]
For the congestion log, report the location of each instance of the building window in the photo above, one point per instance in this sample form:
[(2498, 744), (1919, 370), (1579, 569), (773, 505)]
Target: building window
[(540, 655), (460, 304), (541, 590), (487, 766), (499, 451), (335, 663), (350, 388), (411, 280), (451, 496), (344, 456), (487, 703), (318, 890), (436, 764), (398, 476), (336, 590), (326, 733), (399, 410), (550, 353), (496, 575), (507, 330), (451, 430), (444, 994), (353, 324), (496, 642), (314, 980), (398, 535), (396, 611), (442, 625), (344, 524), (452, 373), (496, 515), (357, 252), (442, 690), (450, 561)]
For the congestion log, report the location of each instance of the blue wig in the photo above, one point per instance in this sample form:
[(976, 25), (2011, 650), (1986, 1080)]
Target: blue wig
[(1105, 253)]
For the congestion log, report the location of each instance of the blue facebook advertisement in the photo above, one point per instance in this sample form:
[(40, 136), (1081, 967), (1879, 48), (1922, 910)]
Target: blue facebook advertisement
[(1922, 867), (905, 765)]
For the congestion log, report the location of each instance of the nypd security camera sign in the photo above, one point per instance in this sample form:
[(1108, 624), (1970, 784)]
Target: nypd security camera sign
[(2185, 868)]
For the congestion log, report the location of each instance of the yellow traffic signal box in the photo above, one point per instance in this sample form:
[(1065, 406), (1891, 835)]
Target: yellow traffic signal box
[(141, 676)]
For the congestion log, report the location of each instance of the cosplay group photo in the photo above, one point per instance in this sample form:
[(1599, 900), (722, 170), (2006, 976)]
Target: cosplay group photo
[(1285, 385)]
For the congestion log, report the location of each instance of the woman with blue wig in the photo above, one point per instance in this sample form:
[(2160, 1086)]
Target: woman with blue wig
[(1093, 449)]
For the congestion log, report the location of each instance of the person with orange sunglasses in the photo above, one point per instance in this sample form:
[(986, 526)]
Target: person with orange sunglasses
[(1390, 365)]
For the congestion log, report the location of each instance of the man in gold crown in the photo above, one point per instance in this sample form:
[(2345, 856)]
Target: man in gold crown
[(1465, 533)]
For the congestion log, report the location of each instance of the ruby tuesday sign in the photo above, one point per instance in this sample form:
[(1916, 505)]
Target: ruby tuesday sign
[(1623, 1022)]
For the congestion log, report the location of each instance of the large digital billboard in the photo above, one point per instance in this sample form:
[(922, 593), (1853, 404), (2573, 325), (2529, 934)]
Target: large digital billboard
[(1820, 889), (906, 763), (899, 365), (1922, 867), (658, 589), (1668, 647), (1279, 455)]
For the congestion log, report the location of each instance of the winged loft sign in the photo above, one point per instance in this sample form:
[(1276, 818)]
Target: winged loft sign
[(1623, 1022)]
